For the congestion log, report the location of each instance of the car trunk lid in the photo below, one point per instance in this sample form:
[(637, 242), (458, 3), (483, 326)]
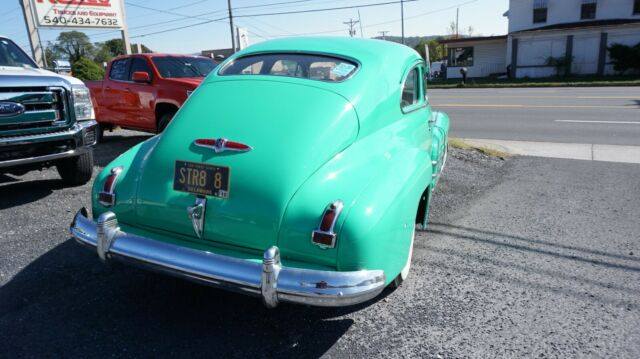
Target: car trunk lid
[(292, 130)]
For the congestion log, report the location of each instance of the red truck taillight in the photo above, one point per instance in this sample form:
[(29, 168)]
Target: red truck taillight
[(107, 197), (325, 236)]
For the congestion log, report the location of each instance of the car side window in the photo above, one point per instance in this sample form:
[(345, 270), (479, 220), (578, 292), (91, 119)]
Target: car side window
[(119, 71), (411, 89), (139, 65)]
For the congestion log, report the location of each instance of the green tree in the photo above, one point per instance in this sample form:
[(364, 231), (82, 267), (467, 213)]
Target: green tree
[(50, 54), (624, 57), (562, 64), (116, 47), (436, 49), (86, 69), (74, 45)]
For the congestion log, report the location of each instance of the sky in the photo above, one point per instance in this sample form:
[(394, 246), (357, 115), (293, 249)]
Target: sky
[(145, 17)]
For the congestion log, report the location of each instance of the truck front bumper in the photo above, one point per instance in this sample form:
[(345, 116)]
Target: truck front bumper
[(269, 279), (77, 139)]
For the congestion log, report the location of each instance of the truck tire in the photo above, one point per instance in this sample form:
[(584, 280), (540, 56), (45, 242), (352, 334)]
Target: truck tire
[(99, 133), (76, 171), (164, 120)]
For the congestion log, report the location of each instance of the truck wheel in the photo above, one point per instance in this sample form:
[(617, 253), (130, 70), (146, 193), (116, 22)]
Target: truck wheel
[(76, 171), (164, 120)]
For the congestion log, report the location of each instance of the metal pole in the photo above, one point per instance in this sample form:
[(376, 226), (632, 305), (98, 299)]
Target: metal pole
[(360, 21), (32, 32), (402, 18), (233, 37), (457, 15), (125, 30)]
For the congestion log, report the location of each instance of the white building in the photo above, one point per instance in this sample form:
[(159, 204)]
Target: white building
[(481, 56), (579, 30)]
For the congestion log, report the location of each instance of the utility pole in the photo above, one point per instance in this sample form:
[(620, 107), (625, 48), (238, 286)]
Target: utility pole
[(402, 18), (360, 21), (457, 17), (233, 35), (384, 34), (351, 24)]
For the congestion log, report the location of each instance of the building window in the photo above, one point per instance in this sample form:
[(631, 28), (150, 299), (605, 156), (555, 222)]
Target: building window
[(636, 7), (460, 56), (539, 11), (588, 9)]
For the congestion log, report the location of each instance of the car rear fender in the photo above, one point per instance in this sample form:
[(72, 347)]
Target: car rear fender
[(375, 226), (131, 162)]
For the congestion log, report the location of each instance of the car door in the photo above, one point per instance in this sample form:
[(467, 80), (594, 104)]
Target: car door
[(114, 91), (140, 97)]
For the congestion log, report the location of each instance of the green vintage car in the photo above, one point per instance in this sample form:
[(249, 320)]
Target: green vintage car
[(297, 172)]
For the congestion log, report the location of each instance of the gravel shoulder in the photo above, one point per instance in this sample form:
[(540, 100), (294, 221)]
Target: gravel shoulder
[(524, 257)]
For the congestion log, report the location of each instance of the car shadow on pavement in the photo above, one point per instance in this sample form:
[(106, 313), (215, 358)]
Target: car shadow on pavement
[(22, 192), (113, 146), (67, 303)]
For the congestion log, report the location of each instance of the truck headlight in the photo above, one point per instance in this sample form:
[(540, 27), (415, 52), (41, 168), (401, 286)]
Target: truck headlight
[(82, 103)]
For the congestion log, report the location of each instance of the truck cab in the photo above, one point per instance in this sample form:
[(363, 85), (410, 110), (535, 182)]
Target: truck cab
[(144, 91), (46, 119)]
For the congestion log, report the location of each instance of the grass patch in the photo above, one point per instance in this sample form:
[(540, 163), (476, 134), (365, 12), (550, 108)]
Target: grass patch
[(583, 81), (492, 152)]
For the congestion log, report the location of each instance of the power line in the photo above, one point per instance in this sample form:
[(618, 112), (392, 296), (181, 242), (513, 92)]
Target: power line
[(326, 9), (179, 28)]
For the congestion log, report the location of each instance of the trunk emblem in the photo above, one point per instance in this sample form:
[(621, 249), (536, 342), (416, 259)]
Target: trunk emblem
[(196, 214), (222, 144)]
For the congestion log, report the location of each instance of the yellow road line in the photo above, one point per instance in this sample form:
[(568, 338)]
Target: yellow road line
[(530, 106)]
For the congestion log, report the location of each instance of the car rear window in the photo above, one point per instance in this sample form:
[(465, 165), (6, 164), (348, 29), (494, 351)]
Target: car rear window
[(308, 66)]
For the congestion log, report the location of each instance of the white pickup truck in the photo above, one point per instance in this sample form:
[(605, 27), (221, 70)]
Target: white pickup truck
[(46, 119)]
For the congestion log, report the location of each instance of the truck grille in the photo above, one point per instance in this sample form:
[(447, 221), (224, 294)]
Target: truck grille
[(44, 107)]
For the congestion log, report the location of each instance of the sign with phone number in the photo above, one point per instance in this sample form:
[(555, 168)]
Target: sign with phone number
[(79, 13)]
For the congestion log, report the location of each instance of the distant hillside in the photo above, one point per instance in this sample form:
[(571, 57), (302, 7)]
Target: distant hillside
[(411, 41)]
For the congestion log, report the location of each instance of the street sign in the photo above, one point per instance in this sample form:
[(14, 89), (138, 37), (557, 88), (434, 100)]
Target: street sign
[(79, 13)]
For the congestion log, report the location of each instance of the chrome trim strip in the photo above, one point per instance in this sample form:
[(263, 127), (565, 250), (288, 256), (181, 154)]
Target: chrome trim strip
[(45, 158), (269, 279), (221, 146)]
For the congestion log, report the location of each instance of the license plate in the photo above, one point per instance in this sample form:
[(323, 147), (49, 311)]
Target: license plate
[(202, 179)]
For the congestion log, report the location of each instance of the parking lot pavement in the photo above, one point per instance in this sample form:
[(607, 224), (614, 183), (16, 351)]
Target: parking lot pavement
[(524, 257)]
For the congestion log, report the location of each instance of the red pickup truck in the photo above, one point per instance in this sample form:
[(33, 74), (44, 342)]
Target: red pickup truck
[(144, 91)]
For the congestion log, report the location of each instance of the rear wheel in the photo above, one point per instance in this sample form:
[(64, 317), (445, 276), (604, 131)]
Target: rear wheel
[(76, 171), (164, 120)]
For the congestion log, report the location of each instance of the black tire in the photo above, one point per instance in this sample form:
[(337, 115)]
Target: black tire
[(99, 132), (164, 120), (76, 171)]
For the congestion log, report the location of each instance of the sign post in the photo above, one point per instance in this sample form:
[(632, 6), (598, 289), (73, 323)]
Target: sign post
[(32, 31)]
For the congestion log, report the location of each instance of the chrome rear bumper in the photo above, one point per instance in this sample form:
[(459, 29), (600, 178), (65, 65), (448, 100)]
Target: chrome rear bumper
[(269, 279)]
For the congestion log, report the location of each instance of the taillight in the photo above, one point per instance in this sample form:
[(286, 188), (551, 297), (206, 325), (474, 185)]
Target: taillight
[(325, 236), (107, 197)]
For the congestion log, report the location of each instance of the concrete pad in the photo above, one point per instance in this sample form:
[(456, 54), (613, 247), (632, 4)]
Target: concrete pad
[(611, 153), (577, 151)]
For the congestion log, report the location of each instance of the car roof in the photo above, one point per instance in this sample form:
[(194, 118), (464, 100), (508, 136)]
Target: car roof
[(365, 51), (380, 62)]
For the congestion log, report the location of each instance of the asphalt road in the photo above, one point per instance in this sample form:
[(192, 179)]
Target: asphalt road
[(525, 257), (596, 115)]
